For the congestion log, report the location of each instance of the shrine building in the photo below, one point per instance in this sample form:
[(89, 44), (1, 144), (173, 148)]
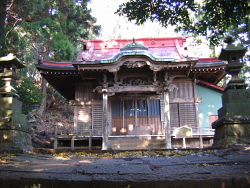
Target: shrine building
[(135, 94)]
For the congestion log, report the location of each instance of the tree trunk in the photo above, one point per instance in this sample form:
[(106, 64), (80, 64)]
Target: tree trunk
[(3, 5), (52, 99), (44, 91)]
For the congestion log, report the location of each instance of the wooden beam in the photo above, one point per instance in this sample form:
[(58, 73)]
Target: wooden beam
[(201, 141), (90, 142), (167, 120), (55, 141), (182, 100), (105, 141), (72, 143), (135, 88)]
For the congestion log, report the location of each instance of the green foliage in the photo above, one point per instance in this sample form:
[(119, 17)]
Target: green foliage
[(30, 95), (47, 29), (62, 48), (210, 18)]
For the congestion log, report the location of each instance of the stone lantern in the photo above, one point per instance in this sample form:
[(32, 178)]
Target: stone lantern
[(15, 134), (9, 65), (233, 124), (233, 54)]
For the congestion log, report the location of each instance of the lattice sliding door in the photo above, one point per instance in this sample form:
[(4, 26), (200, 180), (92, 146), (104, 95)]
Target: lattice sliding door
[(89, 120), (97, 118), (84, 121), (174, 116), (182, 114), (187, 115)]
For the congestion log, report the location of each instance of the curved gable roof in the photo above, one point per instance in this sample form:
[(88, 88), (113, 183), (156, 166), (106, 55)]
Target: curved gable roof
[(110, 55)]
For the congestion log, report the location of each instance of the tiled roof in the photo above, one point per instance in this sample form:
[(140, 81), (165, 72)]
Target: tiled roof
[(158, 47), (102, 55)]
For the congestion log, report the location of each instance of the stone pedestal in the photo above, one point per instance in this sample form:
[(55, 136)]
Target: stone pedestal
[(233, 125), (15, 134), (235, 102), (232, 130)]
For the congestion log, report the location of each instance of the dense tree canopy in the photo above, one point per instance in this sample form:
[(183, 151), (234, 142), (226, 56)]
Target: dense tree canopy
[(46, 29), (211, 18)]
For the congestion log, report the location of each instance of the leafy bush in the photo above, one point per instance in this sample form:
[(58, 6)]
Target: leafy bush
[(30, 95)]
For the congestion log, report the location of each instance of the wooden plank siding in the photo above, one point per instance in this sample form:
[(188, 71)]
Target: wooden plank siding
[(182, 107), (185, 90), (187, 115), (182, 112), (84, 120), (174, 116)]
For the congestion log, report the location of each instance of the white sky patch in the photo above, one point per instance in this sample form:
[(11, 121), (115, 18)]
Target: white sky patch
[(114, 26)]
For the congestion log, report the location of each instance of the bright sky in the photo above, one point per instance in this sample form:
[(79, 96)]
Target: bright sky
[(114, 26)]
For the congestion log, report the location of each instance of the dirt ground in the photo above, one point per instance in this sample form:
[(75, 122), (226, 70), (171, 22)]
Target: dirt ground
[(213, 168)]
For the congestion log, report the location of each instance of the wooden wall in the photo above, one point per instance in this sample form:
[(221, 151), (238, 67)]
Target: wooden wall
[(90, 112), (185, 89)]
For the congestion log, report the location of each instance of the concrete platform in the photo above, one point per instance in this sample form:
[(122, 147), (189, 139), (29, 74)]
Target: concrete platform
[(215, 169)]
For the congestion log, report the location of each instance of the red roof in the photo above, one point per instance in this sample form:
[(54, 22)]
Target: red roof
[(160, 51), (169, 47), (159, 47)]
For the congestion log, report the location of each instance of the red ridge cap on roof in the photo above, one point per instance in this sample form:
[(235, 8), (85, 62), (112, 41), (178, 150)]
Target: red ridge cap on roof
[(211, 85), (136, 39), (57, 63), (118, 43)]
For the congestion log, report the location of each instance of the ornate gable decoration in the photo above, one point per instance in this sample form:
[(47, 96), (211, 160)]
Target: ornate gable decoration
[(134, 64), (134, 46)]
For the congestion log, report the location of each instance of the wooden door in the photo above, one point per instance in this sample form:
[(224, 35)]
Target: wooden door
[(136, 117)]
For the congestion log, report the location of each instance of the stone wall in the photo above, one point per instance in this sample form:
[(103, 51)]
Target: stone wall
[(15, 134), (15, 140), (232, 130)]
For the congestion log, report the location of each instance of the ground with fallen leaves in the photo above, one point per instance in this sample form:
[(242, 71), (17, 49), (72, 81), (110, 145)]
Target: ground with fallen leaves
[(132, 154), (225, 167), (44, 126), (239, 149)]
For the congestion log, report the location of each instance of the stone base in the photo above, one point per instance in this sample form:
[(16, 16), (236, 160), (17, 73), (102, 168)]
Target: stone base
[(235, 102), (15, 140), (232, 130), (155, 142)]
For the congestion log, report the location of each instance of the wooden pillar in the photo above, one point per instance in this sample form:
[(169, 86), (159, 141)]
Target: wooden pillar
[(105, 142), (149, 112), (55, 141), (167, 120), (201, 141), (184, 143), (90, 138), (76, 120), (73, 143), (196, 108), (136, 113), (90, 143), (168, 87)]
